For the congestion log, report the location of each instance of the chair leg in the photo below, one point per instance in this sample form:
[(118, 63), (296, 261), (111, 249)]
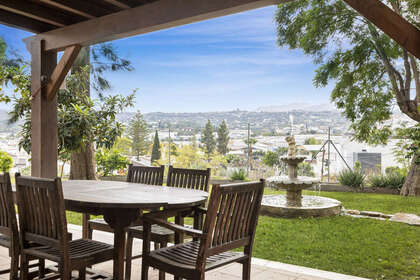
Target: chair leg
[(85, 219), (162, 273), (65, 273), (14, 266), (144, 270), (82, 274), (24, 269), (41, 268), (246, 269), (128, 256)]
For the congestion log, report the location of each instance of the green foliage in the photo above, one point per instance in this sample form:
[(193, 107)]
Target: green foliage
[(378, 181), (207, 139), (223, 138), (395, 169), (312, 141), (352, 178), (138, 133), (394, 178), (252, 141), (108, 161), (357, 166), (305, 169), (364, 64), (104, 58), (156, 154), (409, 144), (271, 159), (238, 175), (80, 118), (6, 162), (123, 144), (190, 156)]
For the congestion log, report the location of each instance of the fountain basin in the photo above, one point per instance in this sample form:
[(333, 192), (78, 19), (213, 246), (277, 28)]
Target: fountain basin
[(294, 184), (312, 206)]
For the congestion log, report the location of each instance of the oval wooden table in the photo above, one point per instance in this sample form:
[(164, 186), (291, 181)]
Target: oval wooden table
[(120, 202)]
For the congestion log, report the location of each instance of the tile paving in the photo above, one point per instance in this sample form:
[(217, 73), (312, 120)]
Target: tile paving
[(261, 269)]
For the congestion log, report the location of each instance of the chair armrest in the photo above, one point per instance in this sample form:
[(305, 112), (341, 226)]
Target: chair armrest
[(201, 210), (171, 226)]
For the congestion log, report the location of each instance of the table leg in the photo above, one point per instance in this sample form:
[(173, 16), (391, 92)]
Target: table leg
[(119, 245), (119, 220), (179, 237)]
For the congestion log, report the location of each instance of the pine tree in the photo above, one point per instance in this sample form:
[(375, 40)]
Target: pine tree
[(156, 154), (223, 138), (138, 133), (207, 139)]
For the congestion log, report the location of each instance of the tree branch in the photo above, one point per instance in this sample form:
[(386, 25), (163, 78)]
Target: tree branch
[(416, 76)]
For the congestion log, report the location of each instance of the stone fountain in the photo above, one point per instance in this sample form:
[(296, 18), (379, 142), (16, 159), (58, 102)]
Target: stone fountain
[(294, 204)]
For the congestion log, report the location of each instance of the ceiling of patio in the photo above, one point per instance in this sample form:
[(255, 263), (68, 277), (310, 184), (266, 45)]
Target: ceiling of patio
[(40, 16)]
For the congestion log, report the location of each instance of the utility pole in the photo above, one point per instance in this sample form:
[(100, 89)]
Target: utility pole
[(329, 152), (169, 145), (249, 149)]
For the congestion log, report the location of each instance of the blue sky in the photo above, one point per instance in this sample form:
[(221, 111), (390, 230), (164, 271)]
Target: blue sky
[(215, 65)]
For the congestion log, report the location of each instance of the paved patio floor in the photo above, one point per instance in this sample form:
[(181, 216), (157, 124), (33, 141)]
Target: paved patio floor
[(261, 269)]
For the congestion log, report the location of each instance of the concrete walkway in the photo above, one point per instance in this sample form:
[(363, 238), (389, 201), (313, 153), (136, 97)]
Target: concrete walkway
[(261, 269)]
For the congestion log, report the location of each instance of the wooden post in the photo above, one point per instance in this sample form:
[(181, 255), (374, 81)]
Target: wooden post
[(44, 113)]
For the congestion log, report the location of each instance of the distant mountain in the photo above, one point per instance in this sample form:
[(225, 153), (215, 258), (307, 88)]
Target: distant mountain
[(298, 107)]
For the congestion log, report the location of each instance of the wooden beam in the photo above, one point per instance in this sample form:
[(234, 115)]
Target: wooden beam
[(395, 26), (61, 70), (43, 115), (83, 8), (25, 23), (32, 10), (158, 15), (119, 4)]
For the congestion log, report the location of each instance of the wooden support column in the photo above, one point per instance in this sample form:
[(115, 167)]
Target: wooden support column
[(44, 113)]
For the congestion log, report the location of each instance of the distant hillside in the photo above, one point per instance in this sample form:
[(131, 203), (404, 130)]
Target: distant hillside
[(298, 107)]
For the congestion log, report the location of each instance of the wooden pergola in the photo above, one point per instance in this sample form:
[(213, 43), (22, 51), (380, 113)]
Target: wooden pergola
[(64, 25)]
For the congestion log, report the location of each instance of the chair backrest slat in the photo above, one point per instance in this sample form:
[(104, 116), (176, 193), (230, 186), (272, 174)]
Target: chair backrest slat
[(232, 217), (196, 179), (41, 211), (149, 175), (8, 221)]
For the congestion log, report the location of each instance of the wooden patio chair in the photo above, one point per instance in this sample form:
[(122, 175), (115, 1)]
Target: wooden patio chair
[(43, 221), (177, 177), (230, 223), (9, 234), (149, 175)]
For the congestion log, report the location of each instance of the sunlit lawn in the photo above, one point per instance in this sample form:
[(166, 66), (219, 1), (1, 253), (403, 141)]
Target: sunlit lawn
[(362, 247)]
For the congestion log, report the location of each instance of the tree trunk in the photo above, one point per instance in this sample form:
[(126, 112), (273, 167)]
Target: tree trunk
[(82, 164), (412, 183)]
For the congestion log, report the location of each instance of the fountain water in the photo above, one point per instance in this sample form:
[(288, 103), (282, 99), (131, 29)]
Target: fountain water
[(294, 204)]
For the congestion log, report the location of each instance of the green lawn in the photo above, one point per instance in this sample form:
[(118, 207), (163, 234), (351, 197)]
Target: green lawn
[(362, 247), (386, 203)]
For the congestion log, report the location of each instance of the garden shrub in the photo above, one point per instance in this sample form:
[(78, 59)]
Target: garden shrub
[(238, 175), (378, 181), (396, 180), (393, 178), (352, 178), (6, 162), (109, 161)]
